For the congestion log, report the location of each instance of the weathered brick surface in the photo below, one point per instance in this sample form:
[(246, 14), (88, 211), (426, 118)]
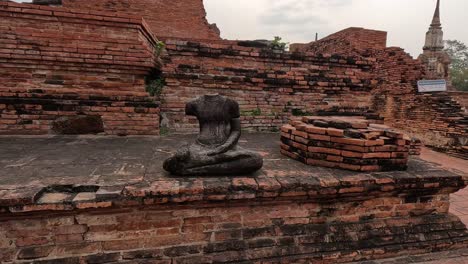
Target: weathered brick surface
[(61, 62), (275, 231), (269, 86), (436, 118), (461, 98), (166, 18), (366, 79)]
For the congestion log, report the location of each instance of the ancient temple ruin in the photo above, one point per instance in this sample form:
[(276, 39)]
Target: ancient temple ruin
[(125, 68), (434, 58), (351, 72)]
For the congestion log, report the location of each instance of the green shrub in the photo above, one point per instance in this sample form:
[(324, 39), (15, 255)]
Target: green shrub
[(277, 44), (255, 112), (300, 112), (159, 47)]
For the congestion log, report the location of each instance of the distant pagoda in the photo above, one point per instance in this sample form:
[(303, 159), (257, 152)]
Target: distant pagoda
[(435, 59)]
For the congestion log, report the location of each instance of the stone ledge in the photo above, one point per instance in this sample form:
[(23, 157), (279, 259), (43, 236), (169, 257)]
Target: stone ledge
[(354, 188), (144, 182)]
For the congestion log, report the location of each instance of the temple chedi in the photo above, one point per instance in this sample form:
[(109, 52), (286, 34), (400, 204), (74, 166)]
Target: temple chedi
[(434, 57)]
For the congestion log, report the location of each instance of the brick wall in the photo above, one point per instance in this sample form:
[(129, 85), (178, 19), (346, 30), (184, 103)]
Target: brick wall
[(269, 232), (348, 40), (350, 72), (57, 62), (341, 75), (269, 86), (184, 19)]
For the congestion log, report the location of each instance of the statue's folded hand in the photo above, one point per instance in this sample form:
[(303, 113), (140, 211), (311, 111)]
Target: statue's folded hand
[(217, 151)]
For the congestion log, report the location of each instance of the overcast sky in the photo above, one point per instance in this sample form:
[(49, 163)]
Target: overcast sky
[(298, 20)]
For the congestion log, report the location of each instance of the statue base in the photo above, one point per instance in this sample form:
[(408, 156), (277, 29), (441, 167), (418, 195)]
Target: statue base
[(288, 212)]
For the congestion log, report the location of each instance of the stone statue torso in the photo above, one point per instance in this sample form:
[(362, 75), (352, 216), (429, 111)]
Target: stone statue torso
[(215, 152), (214, 113)]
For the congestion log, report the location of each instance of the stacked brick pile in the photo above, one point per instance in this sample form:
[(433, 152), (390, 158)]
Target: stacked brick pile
[(345, 143)]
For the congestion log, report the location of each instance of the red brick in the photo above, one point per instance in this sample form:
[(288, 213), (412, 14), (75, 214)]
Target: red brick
[(299, 146), (66, 239), (379, 142), (31, 241), (300, 134), (35, 252), (331, 151), (334, 158), (287, 129), (319, 137), (197, 220), (351, 154), (245, 183), (72, 229), (350, 141), (377, 155), (356, 148), (370, 168), (301, 140), (335, 132), (349, 167), (323, 163), (315, 130)]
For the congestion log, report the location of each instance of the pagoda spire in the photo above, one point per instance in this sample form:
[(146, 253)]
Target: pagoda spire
[(435, 35), (436, 18)]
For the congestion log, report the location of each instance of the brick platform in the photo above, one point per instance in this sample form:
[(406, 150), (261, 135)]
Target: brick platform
[(94, 200), (344, 142)]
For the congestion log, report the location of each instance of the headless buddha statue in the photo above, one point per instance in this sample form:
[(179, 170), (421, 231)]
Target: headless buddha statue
[(215, 152)]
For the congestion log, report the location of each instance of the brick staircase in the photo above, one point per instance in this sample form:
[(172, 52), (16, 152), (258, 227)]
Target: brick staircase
[(457, 115)]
